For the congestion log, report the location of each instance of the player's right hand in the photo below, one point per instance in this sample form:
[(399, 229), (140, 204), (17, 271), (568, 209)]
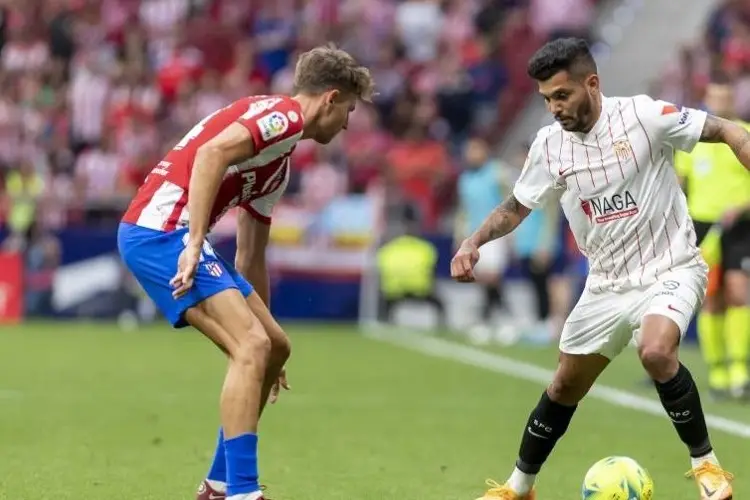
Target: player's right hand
[(281, 383), (462, 265), (187, 264)]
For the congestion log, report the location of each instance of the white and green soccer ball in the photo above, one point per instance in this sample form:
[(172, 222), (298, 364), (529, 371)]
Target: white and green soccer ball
[(617, 478)]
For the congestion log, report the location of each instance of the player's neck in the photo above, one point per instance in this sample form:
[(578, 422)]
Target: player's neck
[(309, 114), (596, 113)]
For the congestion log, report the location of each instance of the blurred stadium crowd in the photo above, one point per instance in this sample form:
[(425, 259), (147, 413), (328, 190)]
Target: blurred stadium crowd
[(722, 52), (93, 92)]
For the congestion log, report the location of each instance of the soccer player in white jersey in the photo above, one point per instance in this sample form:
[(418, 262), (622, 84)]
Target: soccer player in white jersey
[(608, 161)]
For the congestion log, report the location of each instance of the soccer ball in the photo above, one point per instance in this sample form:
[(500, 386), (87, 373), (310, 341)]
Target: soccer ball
[(617, 478)]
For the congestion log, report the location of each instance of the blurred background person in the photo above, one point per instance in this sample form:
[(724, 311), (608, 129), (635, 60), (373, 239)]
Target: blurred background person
[(406, 265), (537, 244), (481, 187), (718, 193), (24, 189)]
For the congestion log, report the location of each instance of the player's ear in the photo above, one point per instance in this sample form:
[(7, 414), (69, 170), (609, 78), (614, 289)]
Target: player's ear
[(592, 83), (332, 96)]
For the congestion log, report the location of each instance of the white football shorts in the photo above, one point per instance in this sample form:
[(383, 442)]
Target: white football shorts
[(605, 322)]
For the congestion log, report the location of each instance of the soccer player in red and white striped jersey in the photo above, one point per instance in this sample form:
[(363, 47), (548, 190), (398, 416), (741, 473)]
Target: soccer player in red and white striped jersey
[(238, 156), (609, 162)]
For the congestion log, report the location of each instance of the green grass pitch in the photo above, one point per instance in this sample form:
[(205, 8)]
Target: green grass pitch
[(89, 412)]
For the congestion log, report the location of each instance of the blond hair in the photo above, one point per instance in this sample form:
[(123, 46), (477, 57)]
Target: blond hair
[(328, 67)]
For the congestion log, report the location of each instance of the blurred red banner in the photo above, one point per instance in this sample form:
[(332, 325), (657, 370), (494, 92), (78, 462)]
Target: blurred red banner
[(11, 288)]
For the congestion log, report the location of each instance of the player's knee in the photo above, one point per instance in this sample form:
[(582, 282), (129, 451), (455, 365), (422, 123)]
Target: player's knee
[(659, 359), (281, 347), (253, 347), (566, 390)]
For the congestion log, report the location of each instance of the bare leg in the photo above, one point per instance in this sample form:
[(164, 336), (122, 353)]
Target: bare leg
[(658, 351), (228, 321), (550, 419), (281, 347)]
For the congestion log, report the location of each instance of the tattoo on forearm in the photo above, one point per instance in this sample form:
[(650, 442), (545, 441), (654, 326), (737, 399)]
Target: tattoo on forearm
[(712, 130), (739, 145), (503, 219), (733, 135)]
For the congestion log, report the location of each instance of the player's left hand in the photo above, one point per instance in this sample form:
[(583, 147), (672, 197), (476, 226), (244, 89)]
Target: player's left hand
[(281, 383), (187, 264), (462, 265)]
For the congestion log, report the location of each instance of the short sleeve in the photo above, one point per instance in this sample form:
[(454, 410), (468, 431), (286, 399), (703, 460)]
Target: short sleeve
[(536, 186), (681, 128), (272, 120)]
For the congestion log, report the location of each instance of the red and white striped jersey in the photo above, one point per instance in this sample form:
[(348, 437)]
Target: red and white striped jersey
[(619, 190), (255, 185)]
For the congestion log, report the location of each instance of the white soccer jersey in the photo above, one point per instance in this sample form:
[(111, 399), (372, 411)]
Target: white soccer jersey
[(619, 190)]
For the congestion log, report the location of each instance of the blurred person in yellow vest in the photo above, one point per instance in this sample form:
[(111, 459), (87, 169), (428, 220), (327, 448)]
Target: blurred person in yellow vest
[(23, 188), (406, 265), (718, 194)]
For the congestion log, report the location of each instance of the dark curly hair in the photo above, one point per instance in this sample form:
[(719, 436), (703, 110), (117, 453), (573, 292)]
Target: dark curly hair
[(564, 54)]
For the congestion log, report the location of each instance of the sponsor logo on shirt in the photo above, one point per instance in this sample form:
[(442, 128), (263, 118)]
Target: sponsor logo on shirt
[(273, 125), (608, 208), (162, 168), (259, 107), (670, 109), (684, 116)]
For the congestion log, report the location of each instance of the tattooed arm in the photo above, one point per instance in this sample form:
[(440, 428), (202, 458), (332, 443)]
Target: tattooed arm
[(733, 135), (501, 221), (535, 187)]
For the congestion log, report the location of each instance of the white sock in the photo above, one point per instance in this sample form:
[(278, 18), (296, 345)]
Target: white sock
[(247, 496), (217, 485), (708, 457), (520, 482)]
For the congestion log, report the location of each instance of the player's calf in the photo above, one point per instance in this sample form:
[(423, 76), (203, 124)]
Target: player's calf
[(550, 419), (240, 409), (281, 346), (658, 351), (227, 320), (281, 349)]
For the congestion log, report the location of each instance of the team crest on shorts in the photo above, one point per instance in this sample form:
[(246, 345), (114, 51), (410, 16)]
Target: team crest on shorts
[(213, 268), (623, 150)]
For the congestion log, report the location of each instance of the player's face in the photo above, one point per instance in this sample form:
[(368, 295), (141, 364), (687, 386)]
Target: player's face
[(334, 116), (571, 101), (476, 153)]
